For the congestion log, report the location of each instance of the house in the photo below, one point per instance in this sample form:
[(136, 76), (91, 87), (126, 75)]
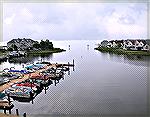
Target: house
[(129, 44), (104, 43), (3, 47), (109, 45), (146, 47), (114, 44), (16, 53), (21, 44)]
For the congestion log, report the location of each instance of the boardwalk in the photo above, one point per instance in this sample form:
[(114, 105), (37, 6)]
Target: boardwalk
[(26, 76)]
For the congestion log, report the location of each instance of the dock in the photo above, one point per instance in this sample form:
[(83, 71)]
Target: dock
[(27, 76), (5, 105)]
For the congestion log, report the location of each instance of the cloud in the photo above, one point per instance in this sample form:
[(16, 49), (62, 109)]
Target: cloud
[(9, 20), (66, 21)]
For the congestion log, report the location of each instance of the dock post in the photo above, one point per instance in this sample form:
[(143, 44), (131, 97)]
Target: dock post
[(73, 62), (69, 72), (4, 110), (31, 84), (55, 82), (31, 96), (8, 99), (17, 112), (24, 115), (68, 65), (9, 111), (45, 89)]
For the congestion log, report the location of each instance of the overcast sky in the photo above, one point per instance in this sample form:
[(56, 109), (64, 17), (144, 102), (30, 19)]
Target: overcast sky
[(74, 21)]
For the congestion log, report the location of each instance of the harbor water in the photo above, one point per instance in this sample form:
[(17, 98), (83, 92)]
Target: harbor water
[(100, 84)]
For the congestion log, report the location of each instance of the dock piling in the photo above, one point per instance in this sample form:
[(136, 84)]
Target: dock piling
[(73, 62), (17, 112), (55, 82), (8, 98), (24, 115), (9, 111), (69, 72), (45, 89), (68, 65), (4, 110)]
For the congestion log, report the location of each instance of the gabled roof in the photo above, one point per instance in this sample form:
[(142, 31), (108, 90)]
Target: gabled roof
[(19, 40)]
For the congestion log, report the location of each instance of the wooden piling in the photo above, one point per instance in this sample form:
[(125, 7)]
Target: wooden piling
[(69, 72), (68, 65), (4, 109), (24, 115), (17, 112), (45, 89), (9, 111), (8, 99), (55, 82), (73, 62)]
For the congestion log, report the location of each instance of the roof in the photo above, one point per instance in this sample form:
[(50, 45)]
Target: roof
[(19, 40)]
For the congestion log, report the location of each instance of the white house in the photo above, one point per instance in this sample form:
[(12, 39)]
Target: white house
[(114, 44), (109, 45), (146, 47)]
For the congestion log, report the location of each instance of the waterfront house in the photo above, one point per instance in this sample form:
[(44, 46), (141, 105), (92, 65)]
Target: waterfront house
[(146, 47), (3, 47), (104, 43), (16, 53), (109, 45), (21, 44), (129, 44), (114, 44)]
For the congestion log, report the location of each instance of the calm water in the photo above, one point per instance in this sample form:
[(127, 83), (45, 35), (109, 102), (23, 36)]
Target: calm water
[(102, 83)]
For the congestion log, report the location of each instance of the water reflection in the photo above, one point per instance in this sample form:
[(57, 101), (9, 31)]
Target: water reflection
[(30, 58), (128, 59)]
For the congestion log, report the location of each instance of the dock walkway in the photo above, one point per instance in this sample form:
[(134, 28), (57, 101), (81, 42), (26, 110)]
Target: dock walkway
[(27, 76)]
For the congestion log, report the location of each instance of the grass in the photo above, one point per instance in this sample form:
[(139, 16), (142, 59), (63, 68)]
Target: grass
[(122, 51), (55, 50)]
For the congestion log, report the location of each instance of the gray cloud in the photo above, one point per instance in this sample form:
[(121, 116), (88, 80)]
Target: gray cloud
[(61, 21)]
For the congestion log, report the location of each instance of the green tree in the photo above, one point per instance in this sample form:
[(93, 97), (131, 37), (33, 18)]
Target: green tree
[(46, 45), (10, 49), (36, 45), (42, 44)]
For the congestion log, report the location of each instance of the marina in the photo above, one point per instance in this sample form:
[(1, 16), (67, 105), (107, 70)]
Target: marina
[(24, 85)]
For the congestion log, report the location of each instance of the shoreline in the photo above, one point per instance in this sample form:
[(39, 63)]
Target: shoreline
[(122, 52), (55, 50)]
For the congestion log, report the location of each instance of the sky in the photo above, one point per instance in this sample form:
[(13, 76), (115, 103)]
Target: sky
[(74, 21)]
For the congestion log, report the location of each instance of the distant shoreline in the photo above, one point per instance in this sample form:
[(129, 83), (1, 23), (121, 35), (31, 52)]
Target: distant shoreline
[(122, 51), (55, 50)]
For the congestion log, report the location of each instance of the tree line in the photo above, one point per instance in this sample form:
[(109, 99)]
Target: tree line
[(42, 45)]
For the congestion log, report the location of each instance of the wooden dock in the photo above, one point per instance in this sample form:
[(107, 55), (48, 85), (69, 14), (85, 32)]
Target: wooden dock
[(27, 76), (5, 105)]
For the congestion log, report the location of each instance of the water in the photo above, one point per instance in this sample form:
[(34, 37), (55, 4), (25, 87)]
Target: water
[(102, 83)]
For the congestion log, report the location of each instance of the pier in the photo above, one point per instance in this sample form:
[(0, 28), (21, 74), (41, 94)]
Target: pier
[(27, 76)]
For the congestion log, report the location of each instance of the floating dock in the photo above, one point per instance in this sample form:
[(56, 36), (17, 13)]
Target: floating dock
[(27, 76), (5, 105)]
